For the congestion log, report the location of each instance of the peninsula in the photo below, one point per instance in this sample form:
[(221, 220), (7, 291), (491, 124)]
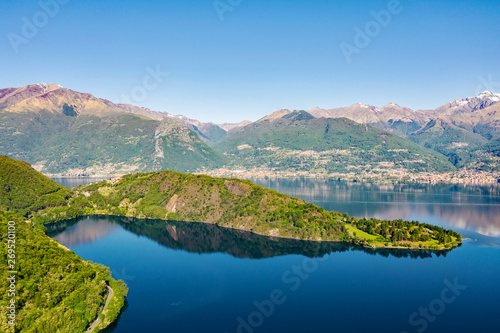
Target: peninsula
[(238, 204), (32, 201)]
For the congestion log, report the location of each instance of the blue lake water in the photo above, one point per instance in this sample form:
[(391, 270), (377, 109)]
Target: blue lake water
[(190, 277)]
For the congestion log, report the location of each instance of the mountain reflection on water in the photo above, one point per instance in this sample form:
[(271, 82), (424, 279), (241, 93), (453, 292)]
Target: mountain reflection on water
[(209, 238), (80, 233), (471, 207), (466, 207)]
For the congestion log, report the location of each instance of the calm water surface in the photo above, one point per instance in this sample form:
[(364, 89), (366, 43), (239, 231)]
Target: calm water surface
[(201, 278), (71, 182)]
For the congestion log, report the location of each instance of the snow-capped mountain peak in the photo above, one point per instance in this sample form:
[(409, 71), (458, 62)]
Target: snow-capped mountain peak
[(489, 95), (369, 107), (471, 104)]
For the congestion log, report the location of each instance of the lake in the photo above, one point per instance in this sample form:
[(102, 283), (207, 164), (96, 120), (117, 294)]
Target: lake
[(194, 277)]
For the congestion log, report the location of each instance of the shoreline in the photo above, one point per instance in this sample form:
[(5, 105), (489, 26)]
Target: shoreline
[(96, 322), (360, 179), (491, 182), (371, 247)]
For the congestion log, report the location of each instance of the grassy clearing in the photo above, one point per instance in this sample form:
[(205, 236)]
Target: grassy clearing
[(359, 233)]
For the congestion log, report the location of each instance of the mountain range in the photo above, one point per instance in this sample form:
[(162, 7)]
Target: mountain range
[(64, 132), (468, 113), (61, 131), (288, 141)]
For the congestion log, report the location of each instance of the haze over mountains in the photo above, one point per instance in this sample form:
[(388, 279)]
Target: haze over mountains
[(61, 131)]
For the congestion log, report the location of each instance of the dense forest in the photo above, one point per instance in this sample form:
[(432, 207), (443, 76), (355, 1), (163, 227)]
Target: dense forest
[(403, 233), (55, 290), (23, 190)]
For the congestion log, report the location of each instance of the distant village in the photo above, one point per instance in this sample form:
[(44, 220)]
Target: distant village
[(395, 175)]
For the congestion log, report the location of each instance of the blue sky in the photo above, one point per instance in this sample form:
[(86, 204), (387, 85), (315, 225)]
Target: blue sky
[(263, 55)]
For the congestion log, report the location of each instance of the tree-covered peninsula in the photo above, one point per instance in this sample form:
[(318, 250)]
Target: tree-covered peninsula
[(242, 205), (60, 292)]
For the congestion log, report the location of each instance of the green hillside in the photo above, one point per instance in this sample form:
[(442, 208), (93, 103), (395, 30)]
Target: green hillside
[(402, 128), (210, 133), (238, 204), (56, 291), (493, 147), (452, 141), (301, 142), (196, 198), (102, 143), (23, 189), (485, 158)]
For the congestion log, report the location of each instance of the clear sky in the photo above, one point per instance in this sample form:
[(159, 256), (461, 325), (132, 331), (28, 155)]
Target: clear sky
[(263, 55)]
